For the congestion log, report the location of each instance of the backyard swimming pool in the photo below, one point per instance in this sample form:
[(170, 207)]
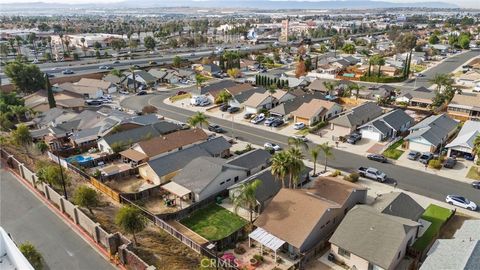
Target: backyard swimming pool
[(79, 159)]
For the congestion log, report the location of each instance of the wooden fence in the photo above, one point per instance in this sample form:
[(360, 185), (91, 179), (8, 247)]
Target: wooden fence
[(105, 189)]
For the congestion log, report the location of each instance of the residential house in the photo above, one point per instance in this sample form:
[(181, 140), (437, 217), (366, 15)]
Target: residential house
[(282, 96), (465, 107), (399, 204), (210, 70), (316, 110), (241, 92), (212, 89), (38, 101), (157, 146), (431, 133), (317, 85), (254, 161), (350, 120), (142, 80), (314, 214), (269, 187), (461, 252), (204, 177), (128, 137), (442, 48), (469, 79), (285, 109), (162, 169), (105, 86), (259, 101), (115, 80), (87, 92), (369, 239), (420, 97), (463, 145), (387, 126)]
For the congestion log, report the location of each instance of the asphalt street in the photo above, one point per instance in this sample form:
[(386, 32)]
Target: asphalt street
[(416, 181), (447, 66), (26, 218)]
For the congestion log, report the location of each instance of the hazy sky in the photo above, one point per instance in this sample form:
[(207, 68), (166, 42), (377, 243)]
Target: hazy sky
[(461, 3)]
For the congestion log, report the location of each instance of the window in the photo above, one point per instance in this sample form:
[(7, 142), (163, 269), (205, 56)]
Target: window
[(223, 182), (228, 180), (235, 179), (342, 252), (399, 253)]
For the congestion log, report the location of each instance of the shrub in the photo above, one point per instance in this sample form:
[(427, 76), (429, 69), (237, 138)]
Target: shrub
[(336, 173), (435, 164), (381, 79), (258, 257), (317, 126), (353, 177), (239, 250), (32, 255)]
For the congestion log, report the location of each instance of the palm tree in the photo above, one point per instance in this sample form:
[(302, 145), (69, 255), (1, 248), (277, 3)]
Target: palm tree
[(245, 197), (198, 119), (18, 111), (314, 153), (380, 63), (330, 86), (297, 142), (199, 80), (357, 87), (441, 80), (61, 40), (84, 48), (327, 152), (295, 165), (279, 167), (223, 97), (335, 40), (134, 79)]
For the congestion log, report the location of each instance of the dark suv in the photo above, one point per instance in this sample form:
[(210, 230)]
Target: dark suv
[(354, 138)]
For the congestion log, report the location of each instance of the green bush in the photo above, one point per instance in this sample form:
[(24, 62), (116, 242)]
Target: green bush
[(258, 257), (435, 164), (353, 177), (381, 79), (317, 126), (336, 173)]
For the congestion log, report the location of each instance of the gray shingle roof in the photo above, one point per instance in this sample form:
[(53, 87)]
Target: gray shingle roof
[(371, 235), (399, 204), (446, 254), (176, 160), (141, 133), (213, 87), (433, 129), (251, 159), (394, 119), (381, 126), (201, 171), (358, 115)]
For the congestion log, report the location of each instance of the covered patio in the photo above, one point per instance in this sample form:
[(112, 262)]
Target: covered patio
[(266, 239), (180, 193)]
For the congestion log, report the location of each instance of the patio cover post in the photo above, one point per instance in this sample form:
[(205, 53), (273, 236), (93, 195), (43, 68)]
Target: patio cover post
[(275, 255), (249, 241)]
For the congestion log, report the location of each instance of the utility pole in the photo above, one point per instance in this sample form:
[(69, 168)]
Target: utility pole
[(63, 180)]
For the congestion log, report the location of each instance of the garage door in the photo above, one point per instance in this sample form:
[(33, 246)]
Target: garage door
[(250, 109), (419, 147), (301, 120), (368, 134)]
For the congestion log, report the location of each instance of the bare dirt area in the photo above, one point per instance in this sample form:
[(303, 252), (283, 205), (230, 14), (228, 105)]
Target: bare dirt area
[(452, 226)]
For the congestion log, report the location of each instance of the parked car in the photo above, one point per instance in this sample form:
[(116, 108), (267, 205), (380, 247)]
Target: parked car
[(123, 92), (192, 54), (67, 71), (152, 62), (301, 138), (215, 128), (377, 157), (258, 119), (468, 156), (248, 115), (425, 157), (413, 155), (116, 62), (93, 102), (450, 162), (142, 93), (49, 75), (275, 147), (269, 121), (233, 109), (420, 75), (204, 103), (461, 202), (224, 107), (476, 184), (354, 138), (372, 173), (179, 93), (197, 100), (299, 125), (135, 66), (277, 122)]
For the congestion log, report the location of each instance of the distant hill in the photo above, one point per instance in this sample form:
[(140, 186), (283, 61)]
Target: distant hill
[(255, 4)]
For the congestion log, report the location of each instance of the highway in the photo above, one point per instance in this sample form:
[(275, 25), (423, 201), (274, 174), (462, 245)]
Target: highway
[(26, 218), (416, 181)]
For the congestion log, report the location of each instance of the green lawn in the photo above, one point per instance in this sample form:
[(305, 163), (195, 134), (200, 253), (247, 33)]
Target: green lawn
[(437, 215), (473, 173), (392, 151), (214, 222)]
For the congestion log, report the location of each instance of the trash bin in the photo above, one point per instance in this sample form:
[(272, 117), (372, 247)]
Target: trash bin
[(331, 257)]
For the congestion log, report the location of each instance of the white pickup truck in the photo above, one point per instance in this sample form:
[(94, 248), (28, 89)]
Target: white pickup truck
[(372, 173)]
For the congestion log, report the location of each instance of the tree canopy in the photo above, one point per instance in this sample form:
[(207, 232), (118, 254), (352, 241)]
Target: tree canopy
[(27, 78)]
